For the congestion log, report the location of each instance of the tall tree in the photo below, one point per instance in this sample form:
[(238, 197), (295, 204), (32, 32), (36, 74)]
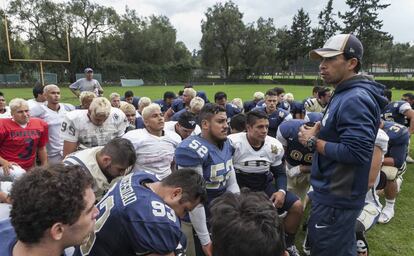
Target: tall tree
[(327, 26), (222, 31), (362, 20), (300, 36), (259, 46)]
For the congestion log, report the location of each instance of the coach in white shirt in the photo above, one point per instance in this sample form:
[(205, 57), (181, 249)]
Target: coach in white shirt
[(93, 127), (154, 146)]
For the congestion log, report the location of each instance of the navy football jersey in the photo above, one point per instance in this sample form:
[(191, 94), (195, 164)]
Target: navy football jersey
[(216, 163), (399, 137), (394, 112), (133, 220), (231, 110), (177, 105), (275, 119), (249, 105), (7, 238), (296, 153), (163, 105)]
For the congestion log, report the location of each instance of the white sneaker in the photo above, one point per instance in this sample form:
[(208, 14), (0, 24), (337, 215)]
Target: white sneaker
[(409, 159), (386, 215)]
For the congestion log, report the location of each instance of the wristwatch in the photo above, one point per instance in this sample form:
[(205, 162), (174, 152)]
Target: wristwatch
[(311, 143)]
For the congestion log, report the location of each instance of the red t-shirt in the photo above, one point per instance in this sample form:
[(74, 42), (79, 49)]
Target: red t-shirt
[(19, 144)]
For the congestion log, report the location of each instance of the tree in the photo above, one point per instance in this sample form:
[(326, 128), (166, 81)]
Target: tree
[(222, 31), (327, 26), (362, 20), (259, 46), (300, 36)]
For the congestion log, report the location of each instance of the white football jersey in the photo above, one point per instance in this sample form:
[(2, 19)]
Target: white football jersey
[(87, 159), (247, 159), (154, 154), (6, 114), (170, 126), (36, 108), (77, 127), (54, 120)]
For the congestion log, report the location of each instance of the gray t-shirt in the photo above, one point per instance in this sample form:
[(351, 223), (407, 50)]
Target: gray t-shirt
[(86, 85)]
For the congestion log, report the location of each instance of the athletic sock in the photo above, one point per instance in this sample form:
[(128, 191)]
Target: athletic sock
[(389, 203)]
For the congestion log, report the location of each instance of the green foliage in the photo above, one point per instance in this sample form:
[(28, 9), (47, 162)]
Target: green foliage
[(222, 32), (362, 20), (327, 26)]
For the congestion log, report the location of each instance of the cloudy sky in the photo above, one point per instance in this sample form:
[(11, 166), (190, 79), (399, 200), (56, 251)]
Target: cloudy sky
[(186, 15)]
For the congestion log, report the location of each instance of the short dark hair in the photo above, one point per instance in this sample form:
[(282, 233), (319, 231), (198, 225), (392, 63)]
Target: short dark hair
[(238, 122), (121, 151), (316, 89), (1, 94), (359, 64), (255, 115), (45, 196), (209, 110), (409, 95), (37, 89), (323, 91), (190, 181), (388, 94), (188, 86), (246, 224), (279, 90), (219, 96), (271, 92), (128, 94), (169, 95)]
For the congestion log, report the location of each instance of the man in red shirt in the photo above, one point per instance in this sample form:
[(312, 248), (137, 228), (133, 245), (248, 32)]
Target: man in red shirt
[(20, 138)]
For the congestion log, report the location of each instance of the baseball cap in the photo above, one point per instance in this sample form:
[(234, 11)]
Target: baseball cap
[(339, 44), (187, 120), (313, 117), (88, 70)]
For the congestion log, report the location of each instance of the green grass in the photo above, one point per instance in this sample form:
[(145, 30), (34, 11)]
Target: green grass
[(395, 238), (243, 91)]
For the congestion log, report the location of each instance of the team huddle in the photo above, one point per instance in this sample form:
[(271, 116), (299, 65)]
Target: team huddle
[(185, 176)]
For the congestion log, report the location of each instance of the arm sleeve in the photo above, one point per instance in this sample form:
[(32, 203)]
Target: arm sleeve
[(75, 85), (231, 185), (356, 132), (199, 221), (198, 215), (279, 172), (98, 85)]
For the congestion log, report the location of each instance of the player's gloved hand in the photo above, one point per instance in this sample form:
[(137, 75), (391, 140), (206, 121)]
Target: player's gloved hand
[(278, 199), (306, 132), (208, 249), (6, 167), (293, 172)]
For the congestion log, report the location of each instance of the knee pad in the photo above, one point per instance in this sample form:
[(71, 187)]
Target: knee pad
[(368, 217), (390, 171)]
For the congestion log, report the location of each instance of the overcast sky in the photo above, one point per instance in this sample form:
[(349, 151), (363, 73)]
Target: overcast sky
[(186, 15)]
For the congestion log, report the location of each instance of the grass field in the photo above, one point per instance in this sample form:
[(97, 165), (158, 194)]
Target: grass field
[(395, 238)]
